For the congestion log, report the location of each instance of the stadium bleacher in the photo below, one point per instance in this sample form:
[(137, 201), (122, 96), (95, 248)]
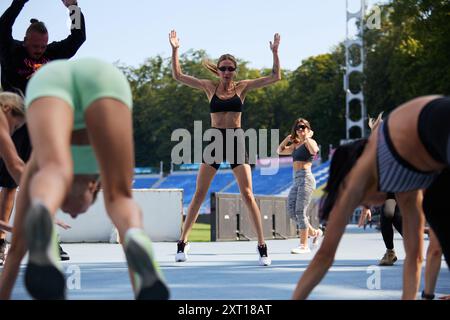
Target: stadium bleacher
[(143, 182), (224, 182)]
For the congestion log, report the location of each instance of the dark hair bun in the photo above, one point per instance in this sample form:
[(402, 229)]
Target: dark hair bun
[(34, 20)]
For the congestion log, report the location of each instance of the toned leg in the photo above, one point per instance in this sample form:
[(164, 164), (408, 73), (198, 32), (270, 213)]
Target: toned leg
[(18, 245), (433, 264), (50, 122), (204, 178), (109, 125), (243, 176)]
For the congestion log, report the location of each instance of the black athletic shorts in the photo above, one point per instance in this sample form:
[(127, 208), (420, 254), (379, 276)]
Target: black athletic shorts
[(236, 153)]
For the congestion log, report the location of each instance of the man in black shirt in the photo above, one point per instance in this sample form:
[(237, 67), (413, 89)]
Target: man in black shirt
[(19, 61)]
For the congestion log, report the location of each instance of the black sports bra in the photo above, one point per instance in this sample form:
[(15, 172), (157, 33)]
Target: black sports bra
[(302, 154), (234, 104)]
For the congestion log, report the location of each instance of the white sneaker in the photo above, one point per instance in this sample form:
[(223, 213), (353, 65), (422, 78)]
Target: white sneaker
[(182, 250), (316, 238), (301, 249), (264, 259)]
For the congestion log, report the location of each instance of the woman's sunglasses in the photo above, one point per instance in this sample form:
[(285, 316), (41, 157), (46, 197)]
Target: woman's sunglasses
[(223, 69), (301, 127)]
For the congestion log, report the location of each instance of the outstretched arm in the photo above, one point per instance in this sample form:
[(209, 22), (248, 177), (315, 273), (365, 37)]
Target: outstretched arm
[(18, 245), (7, 21), (352, 192), (68, 47), (176, 67), (276, 70), (410, 204)]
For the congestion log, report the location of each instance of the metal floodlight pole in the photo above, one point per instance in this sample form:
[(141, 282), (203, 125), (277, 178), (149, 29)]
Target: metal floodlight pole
[(352, 68)]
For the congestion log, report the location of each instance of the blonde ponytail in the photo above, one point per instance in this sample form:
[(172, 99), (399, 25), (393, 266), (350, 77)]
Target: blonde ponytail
[(210, 66)]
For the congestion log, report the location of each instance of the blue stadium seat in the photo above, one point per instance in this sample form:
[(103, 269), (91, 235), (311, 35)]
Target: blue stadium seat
[(144, 183), (224, 182)]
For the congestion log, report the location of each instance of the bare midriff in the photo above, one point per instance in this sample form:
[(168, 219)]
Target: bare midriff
[(225, 120), (302, 165)]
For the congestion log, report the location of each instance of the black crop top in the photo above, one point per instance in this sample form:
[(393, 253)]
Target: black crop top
[(234, 104), (302, 154)]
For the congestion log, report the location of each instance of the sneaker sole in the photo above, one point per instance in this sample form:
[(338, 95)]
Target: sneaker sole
[(153, 288), (43, 280)]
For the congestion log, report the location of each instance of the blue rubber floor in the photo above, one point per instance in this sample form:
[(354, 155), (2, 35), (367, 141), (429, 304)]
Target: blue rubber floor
[(230, 271)]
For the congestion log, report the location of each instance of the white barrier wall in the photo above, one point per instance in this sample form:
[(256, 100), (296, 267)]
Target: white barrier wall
[(162, 211)]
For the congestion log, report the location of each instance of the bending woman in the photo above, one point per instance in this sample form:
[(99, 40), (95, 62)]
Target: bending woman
[(80, 123), (418, 131), (12, 117), (390, 216), (226, 99), (303, 148)]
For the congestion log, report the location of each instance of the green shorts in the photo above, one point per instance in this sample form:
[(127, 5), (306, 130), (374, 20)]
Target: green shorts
[(84, 160), (79, 83)]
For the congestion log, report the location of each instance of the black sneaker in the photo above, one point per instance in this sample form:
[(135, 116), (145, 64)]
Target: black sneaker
[(64, 256), (264, 259), (44, 277), (148, 279)]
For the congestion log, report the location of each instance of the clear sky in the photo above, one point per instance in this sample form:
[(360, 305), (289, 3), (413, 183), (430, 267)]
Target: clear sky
[(132, 30)]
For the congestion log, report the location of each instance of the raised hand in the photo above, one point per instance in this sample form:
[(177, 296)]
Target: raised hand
[(69, 3), (276, 42), (174, 41)]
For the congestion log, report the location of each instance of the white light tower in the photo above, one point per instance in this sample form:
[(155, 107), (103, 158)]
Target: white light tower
[(351, 68)]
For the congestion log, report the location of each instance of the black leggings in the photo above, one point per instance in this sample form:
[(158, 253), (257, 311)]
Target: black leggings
[(436, 205), (390, 216)]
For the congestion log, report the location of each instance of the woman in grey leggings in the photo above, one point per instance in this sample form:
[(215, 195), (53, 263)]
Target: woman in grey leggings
[(303, 148)]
